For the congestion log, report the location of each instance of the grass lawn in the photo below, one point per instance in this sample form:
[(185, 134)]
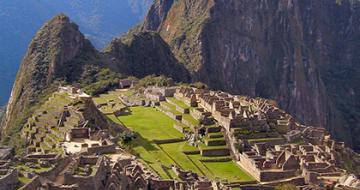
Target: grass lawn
[(151, 124), (104, 98), (228, 170), (190, 119)]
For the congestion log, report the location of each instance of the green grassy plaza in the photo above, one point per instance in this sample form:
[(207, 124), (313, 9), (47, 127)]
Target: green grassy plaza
[(150, 124)]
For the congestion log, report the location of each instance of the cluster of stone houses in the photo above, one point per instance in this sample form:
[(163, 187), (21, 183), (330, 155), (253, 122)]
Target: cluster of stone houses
[(268, 142), (263, 139), (128, 173)]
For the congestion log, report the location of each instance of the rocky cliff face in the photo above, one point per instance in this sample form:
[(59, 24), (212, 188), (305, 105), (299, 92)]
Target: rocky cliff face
[(143, 54), (302, 53)]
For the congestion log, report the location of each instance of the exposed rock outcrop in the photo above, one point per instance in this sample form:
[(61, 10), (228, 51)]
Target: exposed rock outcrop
[(303, 54)]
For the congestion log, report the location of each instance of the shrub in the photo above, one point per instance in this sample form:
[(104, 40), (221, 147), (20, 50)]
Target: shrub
[(127, 137)]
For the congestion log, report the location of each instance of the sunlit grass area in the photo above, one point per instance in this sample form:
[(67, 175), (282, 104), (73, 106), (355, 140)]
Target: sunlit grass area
[(150, 124)]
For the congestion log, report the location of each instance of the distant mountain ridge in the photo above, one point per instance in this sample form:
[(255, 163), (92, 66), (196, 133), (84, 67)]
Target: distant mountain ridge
[(99, 21)]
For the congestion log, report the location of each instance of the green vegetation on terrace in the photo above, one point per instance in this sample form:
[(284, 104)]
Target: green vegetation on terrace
[(150, 124), (153, 80), (179, 103), (36, 169), (80, 170), (170, 107), (190, 119), (264, 139), (48, 114), (204, 147), (24, 180), (111, 96)]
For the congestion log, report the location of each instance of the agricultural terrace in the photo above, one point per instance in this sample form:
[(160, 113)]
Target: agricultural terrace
[(109, 102), (151, 126)]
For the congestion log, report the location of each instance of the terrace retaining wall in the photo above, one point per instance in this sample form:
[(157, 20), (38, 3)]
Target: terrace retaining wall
[(61, 164), (188, 123), (9, 181), (167, 141), (179, 128), (215, 152), (171, 115), (33, 184), (105, 149), (95, 182), (212, 142)]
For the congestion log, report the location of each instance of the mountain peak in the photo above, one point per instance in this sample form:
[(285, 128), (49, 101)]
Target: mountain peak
[(49, 57), (60, 18)]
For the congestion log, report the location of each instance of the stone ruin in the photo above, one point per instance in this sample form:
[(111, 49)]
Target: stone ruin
[(267, 142), (8, 176), (273, 159), (129, 174)]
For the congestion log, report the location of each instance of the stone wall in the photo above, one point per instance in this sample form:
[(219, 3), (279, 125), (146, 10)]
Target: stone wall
[(211, 142), (171, 115), (95, 182), (275, 175), (263, 175), (9, 181), (167, 141), (60, 165), (179, 128), (33, 184), (269, 142), (188, 123), (182, 110), (215, 152), (104, 149)]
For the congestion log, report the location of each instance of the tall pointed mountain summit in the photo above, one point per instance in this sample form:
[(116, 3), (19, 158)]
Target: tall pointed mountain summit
[(50, 53)]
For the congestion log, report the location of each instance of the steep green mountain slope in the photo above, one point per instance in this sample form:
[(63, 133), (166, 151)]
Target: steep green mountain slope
[(303, 54), (60, 54), (99, 21), (143, 54), (57, 47)]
